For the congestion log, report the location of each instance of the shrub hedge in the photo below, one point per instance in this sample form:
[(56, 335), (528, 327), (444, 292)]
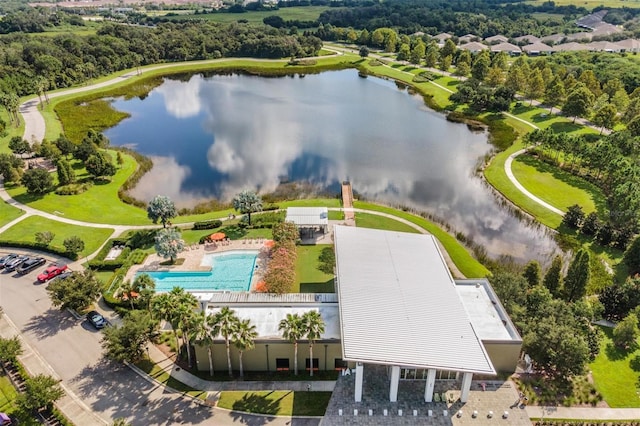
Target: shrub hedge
[(208, 224), (59, 251)]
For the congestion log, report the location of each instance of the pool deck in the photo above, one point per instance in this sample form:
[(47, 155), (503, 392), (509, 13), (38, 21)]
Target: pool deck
[(193, 255)]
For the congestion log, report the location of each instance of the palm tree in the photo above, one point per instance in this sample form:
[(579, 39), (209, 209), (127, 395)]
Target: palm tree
[(227, 322), (127, 289), (313, 329), (184, 304), (292, 330), (204, 332), (243, 339), (146, 288), (162, 308)]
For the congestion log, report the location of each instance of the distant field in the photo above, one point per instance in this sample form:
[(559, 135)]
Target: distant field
[(590, 4), (309, 13)]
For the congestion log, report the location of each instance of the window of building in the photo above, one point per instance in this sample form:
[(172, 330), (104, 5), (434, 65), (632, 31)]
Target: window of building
[(282, 364), (340, 364), (316, 364)]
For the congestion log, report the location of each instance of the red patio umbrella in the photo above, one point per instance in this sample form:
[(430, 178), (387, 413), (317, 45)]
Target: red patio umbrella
[(218, 236)]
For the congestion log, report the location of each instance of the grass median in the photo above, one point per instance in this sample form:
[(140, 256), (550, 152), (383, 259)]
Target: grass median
[(276, 403), (25, 231)]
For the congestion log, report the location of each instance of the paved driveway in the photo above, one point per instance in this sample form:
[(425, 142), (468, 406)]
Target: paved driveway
[(72, 348)]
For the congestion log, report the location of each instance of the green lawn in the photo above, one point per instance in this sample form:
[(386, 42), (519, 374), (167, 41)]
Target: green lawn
[(557, 187), (100, 204), (309, 279), (496, 176), (469, 266), (307, 13), (277, 403), (616, 374), (8, 213), (367, 220), (26, 229)]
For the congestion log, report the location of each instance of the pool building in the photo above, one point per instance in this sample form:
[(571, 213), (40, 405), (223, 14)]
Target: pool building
[(396, 305)]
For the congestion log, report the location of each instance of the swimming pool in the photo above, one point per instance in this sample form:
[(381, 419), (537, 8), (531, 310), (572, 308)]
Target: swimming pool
[(231, 271)]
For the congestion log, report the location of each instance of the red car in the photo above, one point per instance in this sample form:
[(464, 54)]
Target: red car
[(51, 272)]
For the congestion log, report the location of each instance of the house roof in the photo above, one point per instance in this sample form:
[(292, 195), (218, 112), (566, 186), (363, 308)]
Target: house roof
[(570, 47), (579, 36), (527, 38), (474, 46), (496, 38), (603, 46), (505, 47), (399, 304), (537, 48), (442, 36), (552, 39), (308, 216), (629, 44), (467, 38), (606, 29)]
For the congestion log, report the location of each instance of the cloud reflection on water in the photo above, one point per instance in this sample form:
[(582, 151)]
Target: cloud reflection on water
[(238, 132)]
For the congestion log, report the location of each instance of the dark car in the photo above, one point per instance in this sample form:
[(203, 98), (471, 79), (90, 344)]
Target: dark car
[(31, 264), (62, 276), (5, 259), (14, 263), (96, 319)]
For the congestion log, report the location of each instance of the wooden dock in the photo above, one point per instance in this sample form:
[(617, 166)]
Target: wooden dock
[(347, 201)]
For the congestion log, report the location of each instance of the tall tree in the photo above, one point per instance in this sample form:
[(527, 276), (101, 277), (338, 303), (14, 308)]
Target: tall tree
[(554, 93), (575, 283), (126, 342), (227, 322), (625, 334), (39, 392), (37, 181), (632, 257), (75, 292), (65, 172), (605, 117), (161, 208), (247, 202), (168, 243), (10, 349), (244, 339), (552, 279), (100, 165), (578, 102), (534, 87), (292, 328), (313, 326), (532, 273), (204, 332)]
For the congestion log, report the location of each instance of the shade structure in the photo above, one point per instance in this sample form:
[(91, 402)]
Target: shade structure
[(4, 418), (218, 236)]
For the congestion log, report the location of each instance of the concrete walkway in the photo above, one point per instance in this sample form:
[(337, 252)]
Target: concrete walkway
[(583, 413)]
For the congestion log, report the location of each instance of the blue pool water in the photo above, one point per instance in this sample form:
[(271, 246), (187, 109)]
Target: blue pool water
[(229, 272)]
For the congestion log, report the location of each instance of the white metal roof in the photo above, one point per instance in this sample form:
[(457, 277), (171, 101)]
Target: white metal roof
[(267, 318), (399, 305), (489, 319), (308, 216)]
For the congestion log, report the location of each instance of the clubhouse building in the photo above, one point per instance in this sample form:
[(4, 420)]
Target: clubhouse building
[(396, 305)]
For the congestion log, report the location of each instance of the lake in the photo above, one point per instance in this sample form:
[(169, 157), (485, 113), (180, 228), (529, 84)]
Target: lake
[(212, 137)]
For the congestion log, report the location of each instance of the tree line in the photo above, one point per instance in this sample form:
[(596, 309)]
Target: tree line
[(69, 59)]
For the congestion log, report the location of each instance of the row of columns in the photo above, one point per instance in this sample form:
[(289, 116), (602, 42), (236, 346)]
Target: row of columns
[(395, 380)]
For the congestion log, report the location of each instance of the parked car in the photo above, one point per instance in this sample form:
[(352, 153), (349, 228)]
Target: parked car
[(30, 264), (5, 259), (14, 263), (96, 319), (66, 274), (51, 272)]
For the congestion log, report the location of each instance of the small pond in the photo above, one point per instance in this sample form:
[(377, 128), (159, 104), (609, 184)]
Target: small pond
[(215, 136)]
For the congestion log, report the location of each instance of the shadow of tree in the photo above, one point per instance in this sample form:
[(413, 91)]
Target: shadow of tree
[(319, 287), (110, 387), (50, 323), (564, 127), (259, 403), (634, 363), (616, 353)]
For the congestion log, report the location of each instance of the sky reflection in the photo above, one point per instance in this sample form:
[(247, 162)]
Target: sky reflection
[(213, 137)]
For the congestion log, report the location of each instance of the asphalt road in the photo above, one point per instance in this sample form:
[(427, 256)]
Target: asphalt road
[(72, 348)]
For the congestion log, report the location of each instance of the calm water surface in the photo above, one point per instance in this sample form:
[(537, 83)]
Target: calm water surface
[(213, 137)]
